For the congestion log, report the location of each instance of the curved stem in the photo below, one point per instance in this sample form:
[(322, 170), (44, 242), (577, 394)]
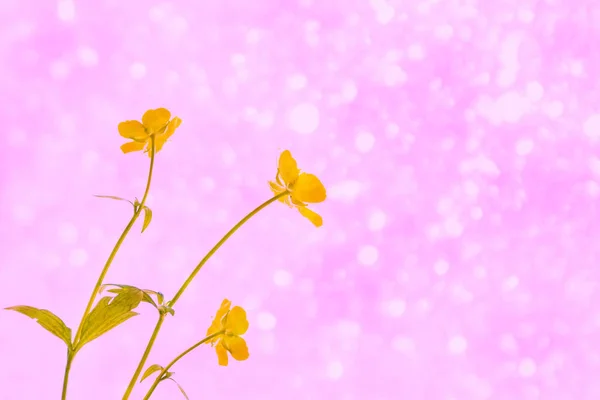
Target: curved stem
[(120, 241), (179, 357), (188, 281), (140, 366), (70, 356), (107, 265), (219, 244)]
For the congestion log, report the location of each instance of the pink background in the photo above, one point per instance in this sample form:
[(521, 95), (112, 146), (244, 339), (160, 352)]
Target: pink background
[(458, 141)]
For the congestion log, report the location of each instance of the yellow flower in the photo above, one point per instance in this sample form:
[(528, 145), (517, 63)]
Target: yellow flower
[(302, 188), (157, 123), (232, 323)]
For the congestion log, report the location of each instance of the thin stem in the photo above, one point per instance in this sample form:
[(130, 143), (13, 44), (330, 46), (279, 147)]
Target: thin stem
[(140, 366), (115, 250), (70, 356), (179, 357), (107, 265), (219, 244), (189, 280)]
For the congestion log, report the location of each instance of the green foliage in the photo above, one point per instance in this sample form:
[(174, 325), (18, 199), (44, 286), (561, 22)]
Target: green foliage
[(166, 309), (168, 375), (147, 218), (47, 320), (151, 369), (109, 313), (113, 198), (145, 293), (180, 389)]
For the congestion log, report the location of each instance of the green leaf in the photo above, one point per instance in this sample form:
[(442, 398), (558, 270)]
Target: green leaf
[(151, 369), (167, 309), (47, 320), (159, 296), (180, 389), (147, 218), (109, 313), (147, 294), (136, 205), (113, 198), (167, 375)]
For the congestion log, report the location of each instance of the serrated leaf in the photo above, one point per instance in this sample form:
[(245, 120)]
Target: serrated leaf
[(159, 296), (109, 313), (147, 298), (47, 320), (151, 369), (180, 389), (113, 198), (147, 218)]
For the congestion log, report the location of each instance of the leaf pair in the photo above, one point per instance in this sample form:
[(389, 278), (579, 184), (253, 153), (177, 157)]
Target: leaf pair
[(158, 368), (146, 296), (136, 204), (108, 313)]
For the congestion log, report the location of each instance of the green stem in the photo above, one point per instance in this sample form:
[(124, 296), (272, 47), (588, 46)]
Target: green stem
[(140, 366), (219, 244), (113, 253), (107, 265), (179, 357), (188, 281), (70, 356)]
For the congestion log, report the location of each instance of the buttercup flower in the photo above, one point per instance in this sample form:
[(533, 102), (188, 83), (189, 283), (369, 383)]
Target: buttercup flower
[(157, 123), (234, 323), (302, 187)]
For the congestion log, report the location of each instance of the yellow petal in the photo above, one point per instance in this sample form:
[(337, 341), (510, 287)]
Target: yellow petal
[(161, 139), (132, 146), (132, 130), (315, 218), (222, 354), (236, 321), (159, 142), (155, 120), (296, 202), (309, 189), (288, 168), (288, 201), (276, 189), (173, 125), (237, 347), (217, 325)]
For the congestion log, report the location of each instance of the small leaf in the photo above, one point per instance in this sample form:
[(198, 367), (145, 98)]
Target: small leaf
[(47, 320), (159, 296), (181, 389), (136, 205), (147, 218), (113, 198), (166, 309), (151, 369), (147, 298), (108, 314), (168, 375)]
